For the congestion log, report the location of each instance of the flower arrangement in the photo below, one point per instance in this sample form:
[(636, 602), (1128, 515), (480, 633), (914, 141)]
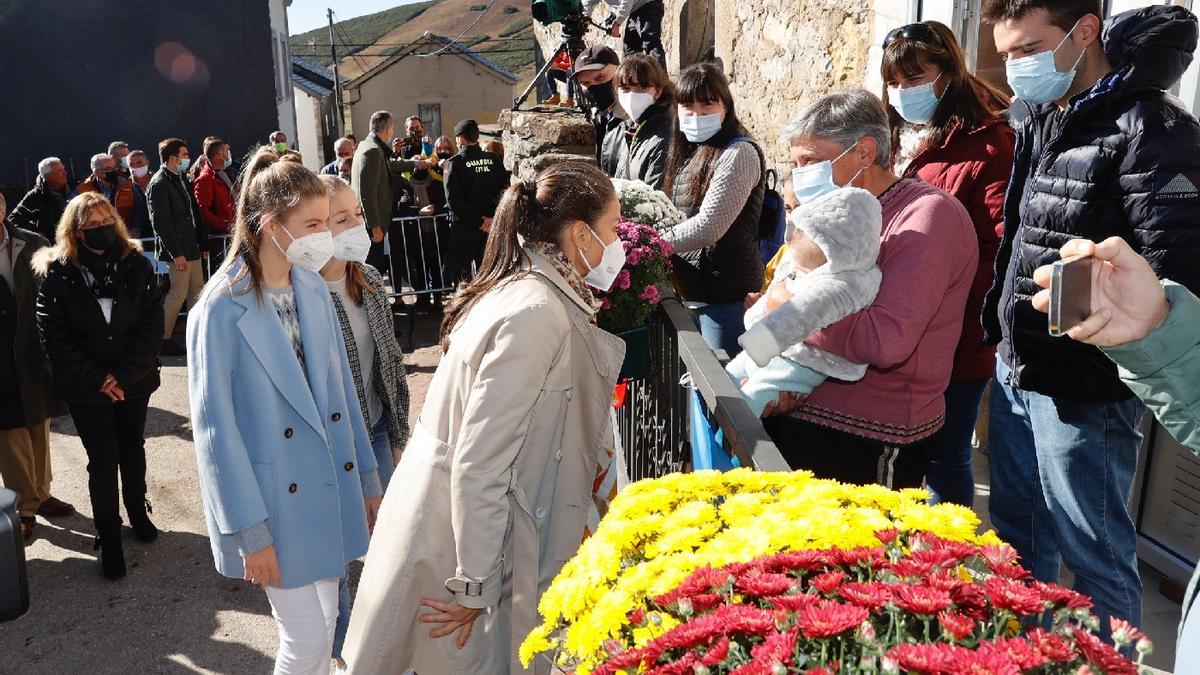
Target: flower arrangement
[(769, 573), (628, 304), (643, 204)]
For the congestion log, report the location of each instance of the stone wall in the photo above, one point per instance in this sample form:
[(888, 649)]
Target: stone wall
[(536, 138)]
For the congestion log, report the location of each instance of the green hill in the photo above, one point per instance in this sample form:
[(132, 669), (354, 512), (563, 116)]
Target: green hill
[(504, 34), (359, 32)]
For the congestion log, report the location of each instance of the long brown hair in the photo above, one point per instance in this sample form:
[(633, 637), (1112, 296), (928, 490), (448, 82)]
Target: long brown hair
[(66, 246), (701, 83), (356, 281), (967, 103), (271, 189), (538, 210)]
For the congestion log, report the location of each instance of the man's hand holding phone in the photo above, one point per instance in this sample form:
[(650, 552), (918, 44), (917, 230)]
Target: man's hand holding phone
[(1126, 300)]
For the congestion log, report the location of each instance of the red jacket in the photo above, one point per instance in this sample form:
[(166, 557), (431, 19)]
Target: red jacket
[(974, 167), (215, 200)]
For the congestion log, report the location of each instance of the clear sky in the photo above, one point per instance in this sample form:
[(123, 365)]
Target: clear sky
[(305, 15)]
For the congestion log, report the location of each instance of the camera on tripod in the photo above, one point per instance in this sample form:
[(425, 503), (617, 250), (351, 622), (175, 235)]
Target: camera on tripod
[(568, 13)]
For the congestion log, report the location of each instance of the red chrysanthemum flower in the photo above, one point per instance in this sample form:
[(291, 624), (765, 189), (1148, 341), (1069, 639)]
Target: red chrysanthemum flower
[(705, 601), (703, 580), (871, 595), (944, 581), (777, 648), (971, 601), (956, 625), (887, 536), (1010, 571), (828, 582), (725, 620), (1101, 654), (637, 617), (920, 600), (925, 659), (1060, 596), (910, 569), (716, 653), (759, 584), (936, 557), (792, 603), (1054, 647), (819, 670), (1013, 596), (1021, 652), (998, 554), (827, 618), (796, 561), (861, 557), (982, 661)]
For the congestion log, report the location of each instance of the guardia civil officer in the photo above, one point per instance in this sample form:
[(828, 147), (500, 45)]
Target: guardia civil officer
[(475, 180)]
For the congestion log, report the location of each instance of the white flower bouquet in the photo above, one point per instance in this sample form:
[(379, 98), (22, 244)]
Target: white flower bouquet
[(642, 204)]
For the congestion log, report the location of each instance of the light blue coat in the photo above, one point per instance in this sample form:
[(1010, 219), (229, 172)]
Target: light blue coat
[(270, 448)]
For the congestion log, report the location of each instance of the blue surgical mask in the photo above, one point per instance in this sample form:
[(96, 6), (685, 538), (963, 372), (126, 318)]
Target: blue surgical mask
[(814, 180), (700, 128), (915, 104), (185, 163), (1036, 79)]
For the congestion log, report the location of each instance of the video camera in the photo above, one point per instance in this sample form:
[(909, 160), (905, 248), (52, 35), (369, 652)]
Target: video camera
[(570, 14)]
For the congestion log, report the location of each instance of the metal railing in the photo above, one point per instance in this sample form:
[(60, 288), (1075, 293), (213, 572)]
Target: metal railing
[(422, 260), (653, 420), (150, 249)]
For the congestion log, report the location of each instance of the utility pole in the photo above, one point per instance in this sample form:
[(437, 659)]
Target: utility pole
[(337, 80)]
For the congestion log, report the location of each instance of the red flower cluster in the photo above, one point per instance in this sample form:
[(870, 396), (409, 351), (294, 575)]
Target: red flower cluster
[(906, 604)]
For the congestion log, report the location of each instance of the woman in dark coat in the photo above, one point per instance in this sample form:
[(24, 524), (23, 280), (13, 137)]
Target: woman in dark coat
[(99, 313)]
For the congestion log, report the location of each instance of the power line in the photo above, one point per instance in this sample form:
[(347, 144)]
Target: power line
[(463, 34)]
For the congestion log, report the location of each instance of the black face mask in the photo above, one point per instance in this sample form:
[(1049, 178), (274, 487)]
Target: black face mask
[(444, 155), (111, 177), (100, 238), (603, 96)]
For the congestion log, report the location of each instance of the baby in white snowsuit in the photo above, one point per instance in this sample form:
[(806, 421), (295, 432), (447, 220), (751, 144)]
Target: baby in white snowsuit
[(829, 275)]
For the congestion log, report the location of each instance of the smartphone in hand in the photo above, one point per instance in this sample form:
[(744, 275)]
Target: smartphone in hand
[(1070, 294)]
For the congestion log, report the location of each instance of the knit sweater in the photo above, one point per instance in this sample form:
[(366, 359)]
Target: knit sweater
[(908, 336)]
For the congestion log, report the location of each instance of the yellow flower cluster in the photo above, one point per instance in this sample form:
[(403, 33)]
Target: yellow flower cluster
[(657, 532)]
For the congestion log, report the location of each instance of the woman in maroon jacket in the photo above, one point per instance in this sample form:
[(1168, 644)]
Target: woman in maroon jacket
[(949, 129)]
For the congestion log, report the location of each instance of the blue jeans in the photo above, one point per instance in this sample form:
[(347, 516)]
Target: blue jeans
[(1061, 476), (950, 476), (382, 445), (722, 325)]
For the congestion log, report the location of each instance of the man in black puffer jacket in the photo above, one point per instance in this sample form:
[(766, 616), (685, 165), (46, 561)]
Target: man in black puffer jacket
[(1102, 150)]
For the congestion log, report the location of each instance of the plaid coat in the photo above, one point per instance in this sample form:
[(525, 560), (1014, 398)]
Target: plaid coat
[(389, 376)]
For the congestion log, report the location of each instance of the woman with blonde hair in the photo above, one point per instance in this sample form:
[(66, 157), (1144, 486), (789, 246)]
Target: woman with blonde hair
[(287, 472), (100, 314), (364, 315)]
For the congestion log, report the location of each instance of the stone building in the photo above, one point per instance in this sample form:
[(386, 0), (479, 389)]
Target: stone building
[(782, 54), (439, 81)]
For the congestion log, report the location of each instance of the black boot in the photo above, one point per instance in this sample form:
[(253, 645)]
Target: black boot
[(139, 520), (112, 556)]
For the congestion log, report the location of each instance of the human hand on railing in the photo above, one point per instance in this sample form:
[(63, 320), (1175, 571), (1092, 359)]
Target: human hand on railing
[(787, 404), (376, 234)]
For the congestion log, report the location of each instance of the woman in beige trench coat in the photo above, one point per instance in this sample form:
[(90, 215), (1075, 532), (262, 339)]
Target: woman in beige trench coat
[(491, 494)]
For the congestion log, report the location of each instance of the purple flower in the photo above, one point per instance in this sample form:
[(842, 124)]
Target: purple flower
[(623, 280), (650, 294)]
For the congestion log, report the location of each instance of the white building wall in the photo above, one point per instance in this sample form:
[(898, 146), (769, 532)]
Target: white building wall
[(284, 99), (308, 129)]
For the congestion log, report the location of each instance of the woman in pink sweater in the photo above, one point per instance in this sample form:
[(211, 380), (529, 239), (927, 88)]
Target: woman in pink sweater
[(876, 430)]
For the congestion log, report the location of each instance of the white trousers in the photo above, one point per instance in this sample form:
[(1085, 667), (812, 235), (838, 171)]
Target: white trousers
[(306, 618)]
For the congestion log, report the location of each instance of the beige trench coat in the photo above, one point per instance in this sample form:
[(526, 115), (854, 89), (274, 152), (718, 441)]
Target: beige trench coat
[(494, 486)]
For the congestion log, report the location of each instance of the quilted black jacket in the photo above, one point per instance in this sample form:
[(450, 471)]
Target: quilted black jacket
[(1124, 161)]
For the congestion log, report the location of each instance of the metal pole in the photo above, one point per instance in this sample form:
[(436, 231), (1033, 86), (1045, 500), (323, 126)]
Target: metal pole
[(337, 80)]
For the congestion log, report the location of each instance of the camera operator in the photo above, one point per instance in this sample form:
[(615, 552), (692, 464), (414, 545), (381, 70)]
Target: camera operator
[(642, 22), (595, 68)]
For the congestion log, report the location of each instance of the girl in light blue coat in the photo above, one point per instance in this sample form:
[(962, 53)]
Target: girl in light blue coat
[(287, 472)]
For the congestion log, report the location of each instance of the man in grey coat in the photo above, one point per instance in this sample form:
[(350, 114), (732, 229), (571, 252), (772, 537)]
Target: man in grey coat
[(371, 178)]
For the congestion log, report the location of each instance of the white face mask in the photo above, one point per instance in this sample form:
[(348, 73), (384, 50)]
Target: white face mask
[(603, 275), (140, 171), (352, 244), (635, 103), (311, 251)]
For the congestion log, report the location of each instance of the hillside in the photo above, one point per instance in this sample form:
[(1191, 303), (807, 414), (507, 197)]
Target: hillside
[(504, 34)]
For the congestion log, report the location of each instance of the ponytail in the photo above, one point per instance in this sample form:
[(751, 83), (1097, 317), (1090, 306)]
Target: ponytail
[(538, 210)]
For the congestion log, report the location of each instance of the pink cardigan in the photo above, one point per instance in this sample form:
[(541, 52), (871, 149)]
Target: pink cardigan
[(908, 336)]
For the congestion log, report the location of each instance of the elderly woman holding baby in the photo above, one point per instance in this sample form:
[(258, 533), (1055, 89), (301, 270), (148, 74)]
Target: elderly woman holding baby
[(903, 315)]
